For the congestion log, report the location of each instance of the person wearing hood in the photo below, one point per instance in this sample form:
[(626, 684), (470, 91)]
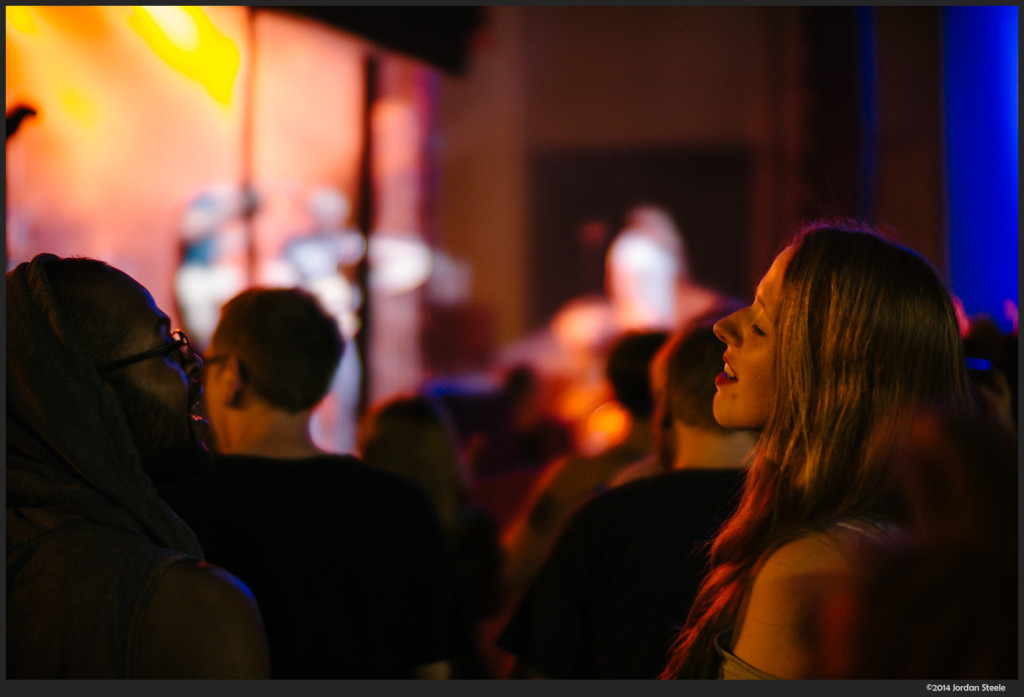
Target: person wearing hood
[(103, 579)]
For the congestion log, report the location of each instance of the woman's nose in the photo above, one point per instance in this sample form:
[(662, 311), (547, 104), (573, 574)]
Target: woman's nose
[(725, 330)]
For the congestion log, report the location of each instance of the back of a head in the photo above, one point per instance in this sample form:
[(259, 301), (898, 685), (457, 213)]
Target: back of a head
[(288, 345), (412, 436), (693, 357), (866, 331), (628, 370)]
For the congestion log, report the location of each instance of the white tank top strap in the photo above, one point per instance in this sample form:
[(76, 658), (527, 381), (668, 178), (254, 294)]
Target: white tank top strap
[(879, 531)]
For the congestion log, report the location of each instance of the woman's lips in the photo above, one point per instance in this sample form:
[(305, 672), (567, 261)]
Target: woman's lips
[(727, 375)]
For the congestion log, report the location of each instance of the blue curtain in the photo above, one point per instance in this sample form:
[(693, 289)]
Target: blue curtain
[(982, 161)]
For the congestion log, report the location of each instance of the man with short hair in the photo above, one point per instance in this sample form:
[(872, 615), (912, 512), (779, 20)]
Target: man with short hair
[(103, 580), (347, 562), (568, 481), (622, 575)]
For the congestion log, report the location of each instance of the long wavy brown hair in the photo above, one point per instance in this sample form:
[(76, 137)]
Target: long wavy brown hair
[(866, 333)]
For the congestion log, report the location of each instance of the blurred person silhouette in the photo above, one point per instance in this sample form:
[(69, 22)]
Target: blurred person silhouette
[(662, 455), (992, 357), (523, 434), (324, 261), (689, 390), (413, 437), (940, 605), (213, 256), (347, 562), (822, 359), (619, 581), (103, 579), (570, 480), (648, 279), (648, 286), (510, 435)]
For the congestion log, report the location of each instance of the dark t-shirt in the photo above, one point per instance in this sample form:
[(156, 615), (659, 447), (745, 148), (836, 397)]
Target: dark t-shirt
[(619, 582), (347, 563)]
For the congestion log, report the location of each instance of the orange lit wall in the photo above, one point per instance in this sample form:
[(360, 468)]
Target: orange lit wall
[(128, 130)]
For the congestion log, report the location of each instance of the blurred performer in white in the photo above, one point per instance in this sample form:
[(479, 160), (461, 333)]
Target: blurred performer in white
[(324, 262), (213, 257), (647, 275), (647, 286)]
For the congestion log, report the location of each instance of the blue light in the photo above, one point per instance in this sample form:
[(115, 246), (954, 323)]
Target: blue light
[(982, 161)]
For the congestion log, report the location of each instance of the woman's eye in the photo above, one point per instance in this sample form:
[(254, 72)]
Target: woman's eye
[(757, 330)]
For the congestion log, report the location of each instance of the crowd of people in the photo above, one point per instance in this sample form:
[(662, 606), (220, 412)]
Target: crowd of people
[(818, 483)]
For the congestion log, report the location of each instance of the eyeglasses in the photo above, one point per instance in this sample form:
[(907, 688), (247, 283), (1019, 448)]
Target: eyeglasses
[(179, 342)]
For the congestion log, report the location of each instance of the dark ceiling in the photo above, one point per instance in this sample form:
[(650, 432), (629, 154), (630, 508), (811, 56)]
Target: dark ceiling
[(440, 36)]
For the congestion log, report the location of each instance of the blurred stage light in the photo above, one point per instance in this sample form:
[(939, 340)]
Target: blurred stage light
[(79, 107), (177, 25), (186, 39), (606, 426), (20, 19)]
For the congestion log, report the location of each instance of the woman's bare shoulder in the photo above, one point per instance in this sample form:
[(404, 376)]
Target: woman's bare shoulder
[(786, 594)]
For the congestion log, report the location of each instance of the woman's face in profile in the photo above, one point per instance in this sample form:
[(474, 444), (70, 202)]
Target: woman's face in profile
[(746, 385)]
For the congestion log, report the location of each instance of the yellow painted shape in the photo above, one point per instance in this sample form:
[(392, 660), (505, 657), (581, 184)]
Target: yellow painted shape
[(186, 39), (20, 19)]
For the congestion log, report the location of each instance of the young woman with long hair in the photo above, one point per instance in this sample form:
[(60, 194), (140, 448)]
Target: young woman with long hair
[(848, 334)]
